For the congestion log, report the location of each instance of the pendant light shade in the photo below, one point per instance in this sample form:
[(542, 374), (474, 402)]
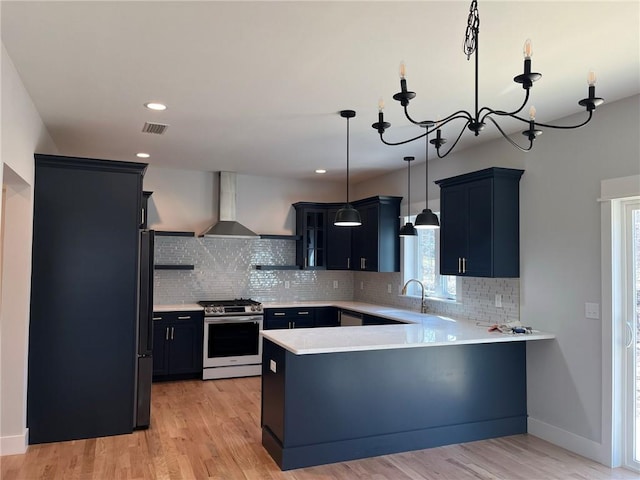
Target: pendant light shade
[(427, 219), (347, 216), (408, 229)]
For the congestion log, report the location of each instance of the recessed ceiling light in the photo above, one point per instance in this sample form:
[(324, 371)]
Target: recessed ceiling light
[(142, 155), (321, 170), (155, 106)]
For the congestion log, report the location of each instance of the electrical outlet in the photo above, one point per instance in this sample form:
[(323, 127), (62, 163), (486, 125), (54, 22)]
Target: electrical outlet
[(272, 366), (592, 310), (335, 284), (498, 300), (287, 284), (388, 288)]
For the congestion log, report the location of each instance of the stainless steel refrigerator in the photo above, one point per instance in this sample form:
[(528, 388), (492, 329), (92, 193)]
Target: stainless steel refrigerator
[(144, 364)]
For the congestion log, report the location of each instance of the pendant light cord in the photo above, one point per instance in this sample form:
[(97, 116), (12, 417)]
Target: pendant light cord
[(426, 169), (347, 160), (409, 190)]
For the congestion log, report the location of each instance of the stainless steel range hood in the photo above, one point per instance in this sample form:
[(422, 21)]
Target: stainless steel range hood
[(227, 225)]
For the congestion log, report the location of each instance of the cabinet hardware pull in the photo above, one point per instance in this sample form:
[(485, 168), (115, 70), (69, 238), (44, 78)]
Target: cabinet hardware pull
[(294, 324), (464, 265), (289, 324), (279, 314), (171, 333), (303, 313), (459, 265), (348, 263), (630, 330), (166, 334), (184, 318), (157, 318), (364, 263)]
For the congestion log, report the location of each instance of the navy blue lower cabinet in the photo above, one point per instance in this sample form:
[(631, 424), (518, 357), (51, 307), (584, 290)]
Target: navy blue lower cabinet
[(327, 408)]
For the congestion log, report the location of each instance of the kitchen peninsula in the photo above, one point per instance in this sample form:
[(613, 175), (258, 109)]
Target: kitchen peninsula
[(336, 394)]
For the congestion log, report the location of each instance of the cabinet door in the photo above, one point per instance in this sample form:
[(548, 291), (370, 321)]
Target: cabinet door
[(338, 244), (185, 348), (365, 243), (453, 229), (160, 339), (327, 317), (311, 224), (479, 258)]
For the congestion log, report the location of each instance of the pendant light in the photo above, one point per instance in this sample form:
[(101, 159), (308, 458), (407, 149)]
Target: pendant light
[(347, 216), (408, 229), (426, 219)]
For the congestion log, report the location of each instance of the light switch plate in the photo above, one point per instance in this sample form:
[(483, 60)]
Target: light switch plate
[(592, 310), (335, 284), (498, 300), (388, 287), (287, 284)]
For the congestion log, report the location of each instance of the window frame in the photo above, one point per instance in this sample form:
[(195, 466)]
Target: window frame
[(410, 248)]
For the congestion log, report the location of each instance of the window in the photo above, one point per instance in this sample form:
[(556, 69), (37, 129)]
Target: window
[(421, 260)]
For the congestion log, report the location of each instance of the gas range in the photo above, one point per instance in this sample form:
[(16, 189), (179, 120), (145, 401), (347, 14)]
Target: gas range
[(232, 340), (237, 306)]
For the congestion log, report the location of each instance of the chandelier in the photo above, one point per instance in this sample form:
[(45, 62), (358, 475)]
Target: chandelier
[(477, 121)]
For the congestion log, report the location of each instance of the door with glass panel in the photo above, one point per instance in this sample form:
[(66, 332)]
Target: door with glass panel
[(631, 363)]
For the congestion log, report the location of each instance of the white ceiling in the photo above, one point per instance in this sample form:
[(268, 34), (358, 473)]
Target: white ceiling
[(255, 87)]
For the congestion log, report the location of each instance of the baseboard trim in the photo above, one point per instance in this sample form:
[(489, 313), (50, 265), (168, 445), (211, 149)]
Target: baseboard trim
[(570, 441), (14, 444)]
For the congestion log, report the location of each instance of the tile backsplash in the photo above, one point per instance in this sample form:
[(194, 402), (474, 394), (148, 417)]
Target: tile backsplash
[(226, 268), (475, 300)]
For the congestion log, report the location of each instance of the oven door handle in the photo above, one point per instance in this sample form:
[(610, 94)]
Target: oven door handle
[(221, 320)]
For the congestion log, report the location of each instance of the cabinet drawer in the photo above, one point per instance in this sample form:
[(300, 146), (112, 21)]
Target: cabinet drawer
[(177, 316), (298, 317)]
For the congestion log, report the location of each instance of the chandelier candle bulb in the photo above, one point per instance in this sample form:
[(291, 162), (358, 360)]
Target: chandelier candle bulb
[(527, 50), (380, 105), (591, 78), (403, 70), (532, 113)]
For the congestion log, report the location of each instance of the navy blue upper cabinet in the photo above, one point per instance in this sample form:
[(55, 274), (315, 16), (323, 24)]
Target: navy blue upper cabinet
[(375, 245), (479, 219)]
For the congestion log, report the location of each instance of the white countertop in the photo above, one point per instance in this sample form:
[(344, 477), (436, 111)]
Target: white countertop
[(421, 330), (181, 307)]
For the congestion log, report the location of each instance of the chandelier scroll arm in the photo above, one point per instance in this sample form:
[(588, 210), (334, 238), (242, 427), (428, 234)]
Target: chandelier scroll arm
[(502, 112), (457, 139), (523, 149), (567, 127), (393, 144)]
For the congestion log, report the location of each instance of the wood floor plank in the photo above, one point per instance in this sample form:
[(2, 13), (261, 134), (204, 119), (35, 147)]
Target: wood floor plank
[(211, 430)]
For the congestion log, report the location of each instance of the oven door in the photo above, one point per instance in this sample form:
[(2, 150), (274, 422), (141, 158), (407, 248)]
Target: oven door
[(232, 341)]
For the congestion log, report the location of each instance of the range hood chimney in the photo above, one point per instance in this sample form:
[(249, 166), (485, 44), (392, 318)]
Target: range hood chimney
[(227, 225)]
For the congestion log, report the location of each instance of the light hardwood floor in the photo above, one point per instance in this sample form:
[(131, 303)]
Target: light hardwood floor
[(211, 430)]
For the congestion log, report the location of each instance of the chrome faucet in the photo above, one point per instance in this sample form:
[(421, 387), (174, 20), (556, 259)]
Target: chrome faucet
[(423, 304)]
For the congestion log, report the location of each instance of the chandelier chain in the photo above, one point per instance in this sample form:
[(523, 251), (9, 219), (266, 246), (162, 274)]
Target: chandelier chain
[(471, 34)]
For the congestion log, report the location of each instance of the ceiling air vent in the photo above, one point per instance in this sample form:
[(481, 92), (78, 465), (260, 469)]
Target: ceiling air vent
[(157, 128)]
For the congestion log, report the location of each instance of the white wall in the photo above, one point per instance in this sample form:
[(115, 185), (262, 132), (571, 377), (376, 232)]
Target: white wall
[(23, 133), (188, 200), (561, 270)]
